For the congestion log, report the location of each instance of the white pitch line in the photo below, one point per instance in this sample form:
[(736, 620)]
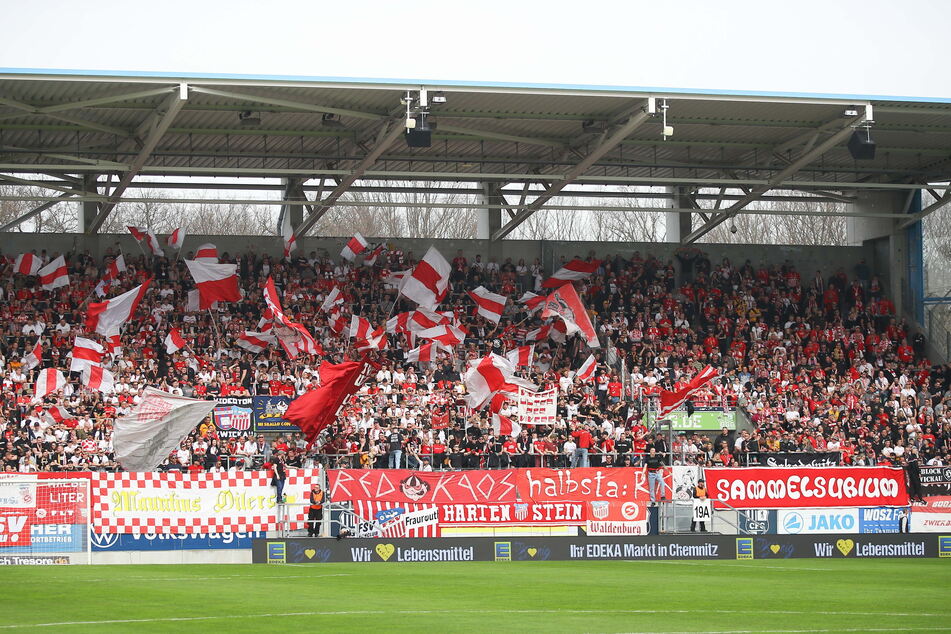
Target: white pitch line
[(151, 579), (484, 611)]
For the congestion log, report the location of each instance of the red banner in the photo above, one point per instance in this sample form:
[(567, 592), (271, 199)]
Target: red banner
[(807, 487), (15, 527), (468, 487)]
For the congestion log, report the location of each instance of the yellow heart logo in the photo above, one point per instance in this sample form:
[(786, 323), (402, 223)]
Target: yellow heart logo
[(532, 551), (309, 553), (774, 548), (385, 551), (845, 546)]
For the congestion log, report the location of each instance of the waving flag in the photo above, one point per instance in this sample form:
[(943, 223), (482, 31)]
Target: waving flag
[(338, 323), (174, 341), (95, 377), (316, 410), (671, 400), (26, 264), (504, 426), (107, 317), (85, 352), (532, 301), (490, 374), (423, 319), (54, 274), (292, 336), (56, 415), (370, 259), (176, 239), (33, 358), (447, 335), (376, 340), (334, 298), (207, 253), (111, 274), (354, 247), (256, 341), (215, 282), (488, 304), (359, 328), (287, 234), (143, 234), (47, 382), (574, 270), (156, 426), (586, 371), (398, 323), (522, 356), (426, 353), (565, 304), (428, 284)]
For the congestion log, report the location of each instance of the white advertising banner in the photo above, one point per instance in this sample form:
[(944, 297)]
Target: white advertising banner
[(174, 502), (537, 408)]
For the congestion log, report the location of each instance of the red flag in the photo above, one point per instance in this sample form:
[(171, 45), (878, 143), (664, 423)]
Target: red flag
[(316, 410), (574, 270), (669, 401), (439, 420), (565, 304)]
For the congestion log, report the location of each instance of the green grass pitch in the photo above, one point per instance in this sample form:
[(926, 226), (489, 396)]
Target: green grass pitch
[(802, 595)]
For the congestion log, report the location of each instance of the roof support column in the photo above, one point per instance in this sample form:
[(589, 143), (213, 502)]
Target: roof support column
[(489, 218), (678, 224), (88, 209)]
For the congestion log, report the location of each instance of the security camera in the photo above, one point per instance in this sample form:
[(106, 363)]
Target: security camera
[(732, 228)]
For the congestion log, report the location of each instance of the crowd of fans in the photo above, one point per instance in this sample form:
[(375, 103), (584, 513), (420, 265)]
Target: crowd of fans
[(817, 362)]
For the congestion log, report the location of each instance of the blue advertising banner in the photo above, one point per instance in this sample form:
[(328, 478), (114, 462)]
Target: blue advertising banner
[(269, 414), (108, 541), (52, 538)]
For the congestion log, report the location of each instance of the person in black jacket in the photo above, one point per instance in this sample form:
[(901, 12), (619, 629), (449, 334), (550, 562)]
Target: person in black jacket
[(913, 471), (279, 477)]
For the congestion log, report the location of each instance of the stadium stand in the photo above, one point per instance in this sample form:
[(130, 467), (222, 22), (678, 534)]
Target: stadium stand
[(816, 359)]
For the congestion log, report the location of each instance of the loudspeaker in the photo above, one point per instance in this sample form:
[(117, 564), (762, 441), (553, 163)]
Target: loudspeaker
[(419, 138), (861, 146)]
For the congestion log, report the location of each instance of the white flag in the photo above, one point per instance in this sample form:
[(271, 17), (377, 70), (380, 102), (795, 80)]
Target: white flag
[(157, 425)]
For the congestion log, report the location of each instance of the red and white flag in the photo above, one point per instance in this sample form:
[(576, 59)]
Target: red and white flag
[(428, 284), (107, 317), (56, 414), (488, 304), (539, 334), (256, 341), (359, 328), (176, 239), (425, 353), (671, 400), (504, 426), (423, 319), (532, 301), (85, 352), (586, 371), (293, 337), (156, 426), (143, 234), (114, 345), (522, 356), (396, 278), (287, 234), (338, 323), (48, 381), (398, 322), (207, 253), (449, 336), (370, 258), (215, 282), (574, 270), (354, 247), (111, 274), (96, 377), (33, 358), (565, 304), (26, 264), (376, 340), (174, 341), (334, 298), (490, 374), (54, 274)]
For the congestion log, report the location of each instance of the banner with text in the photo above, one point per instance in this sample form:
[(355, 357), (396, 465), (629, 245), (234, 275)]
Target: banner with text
[(807, 487), (175, 502), (268, 414), (794, 459), (537, 408)]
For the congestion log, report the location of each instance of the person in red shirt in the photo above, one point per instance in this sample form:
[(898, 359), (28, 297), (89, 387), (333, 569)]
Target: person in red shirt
[(584, 442)]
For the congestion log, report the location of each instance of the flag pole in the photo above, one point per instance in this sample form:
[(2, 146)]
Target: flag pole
[(215, 326)]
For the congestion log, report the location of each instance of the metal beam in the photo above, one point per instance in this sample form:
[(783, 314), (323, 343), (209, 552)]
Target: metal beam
[(87, 103), (790, 170), (91, 125), (390, 131), (150, 132), (606, 144), (35, 212), (286, 103), (927, 211)]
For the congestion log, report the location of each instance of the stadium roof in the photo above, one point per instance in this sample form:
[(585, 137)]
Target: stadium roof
[(332, 135)]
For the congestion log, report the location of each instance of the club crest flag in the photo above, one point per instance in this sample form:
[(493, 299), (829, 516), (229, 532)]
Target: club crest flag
[(157, 425)]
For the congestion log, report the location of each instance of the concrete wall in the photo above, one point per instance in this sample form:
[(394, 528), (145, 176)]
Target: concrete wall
[(215, 556), (805, 258)]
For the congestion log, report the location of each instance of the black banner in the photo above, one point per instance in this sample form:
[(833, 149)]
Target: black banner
[(936, 480), (794, 459), (666, 547)]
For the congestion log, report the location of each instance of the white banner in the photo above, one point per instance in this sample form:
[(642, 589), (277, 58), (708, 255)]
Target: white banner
[(175, 502), (537, 408), (702, 510)]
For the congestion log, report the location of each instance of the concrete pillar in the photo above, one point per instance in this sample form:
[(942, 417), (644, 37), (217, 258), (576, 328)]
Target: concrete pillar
[(88, 209), (489, 220), (678, 224), (293, 191), (858, 230)]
